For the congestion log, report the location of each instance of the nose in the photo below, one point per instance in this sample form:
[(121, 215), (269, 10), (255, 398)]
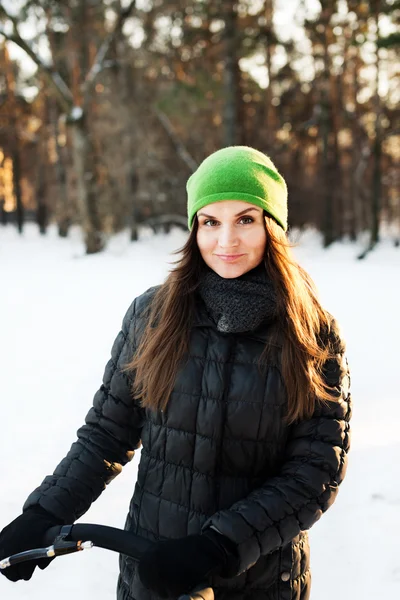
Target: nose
[(227, 237)]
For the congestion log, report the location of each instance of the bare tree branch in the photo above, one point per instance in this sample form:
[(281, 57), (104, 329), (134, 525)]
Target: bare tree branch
[(180, 148), (6, 36), (53, 78), (5, 14), (98, 63)]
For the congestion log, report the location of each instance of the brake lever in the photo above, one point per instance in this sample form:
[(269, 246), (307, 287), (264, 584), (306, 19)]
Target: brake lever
[(60, 547)]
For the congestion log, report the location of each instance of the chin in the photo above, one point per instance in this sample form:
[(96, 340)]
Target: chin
[(230, 271)]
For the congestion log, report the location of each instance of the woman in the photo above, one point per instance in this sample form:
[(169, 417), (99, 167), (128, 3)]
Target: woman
[(233, 378)]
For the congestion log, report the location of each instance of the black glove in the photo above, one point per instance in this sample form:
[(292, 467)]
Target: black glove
[(175, 567), (25, 533)]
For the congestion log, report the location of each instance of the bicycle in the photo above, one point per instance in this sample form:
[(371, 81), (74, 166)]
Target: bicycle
[(68, 539)]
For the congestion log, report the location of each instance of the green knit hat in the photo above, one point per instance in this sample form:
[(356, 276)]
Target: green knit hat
[(238, 173)]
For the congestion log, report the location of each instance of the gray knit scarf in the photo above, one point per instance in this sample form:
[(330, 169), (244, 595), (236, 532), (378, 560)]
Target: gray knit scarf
[(240, 304)]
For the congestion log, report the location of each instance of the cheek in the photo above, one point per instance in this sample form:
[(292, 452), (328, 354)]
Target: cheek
[(263, 242), (257, 241), (204, 242)]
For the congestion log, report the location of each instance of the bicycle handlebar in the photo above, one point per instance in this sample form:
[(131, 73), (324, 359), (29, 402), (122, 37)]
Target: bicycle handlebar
[(103, 536), (72, 538)]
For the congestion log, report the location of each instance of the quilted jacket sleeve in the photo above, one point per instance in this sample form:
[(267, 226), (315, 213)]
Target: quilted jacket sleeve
[(105, 443), (307, 484)]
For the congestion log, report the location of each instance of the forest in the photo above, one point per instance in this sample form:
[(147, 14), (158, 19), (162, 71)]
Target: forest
[(107, 107)]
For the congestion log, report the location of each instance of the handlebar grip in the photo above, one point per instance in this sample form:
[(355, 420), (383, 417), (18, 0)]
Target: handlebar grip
[(106, 537)]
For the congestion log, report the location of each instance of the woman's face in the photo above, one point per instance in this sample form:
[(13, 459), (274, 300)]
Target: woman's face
[(231, 237)]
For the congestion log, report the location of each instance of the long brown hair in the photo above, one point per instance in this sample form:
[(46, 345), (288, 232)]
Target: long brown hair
[(165, 340)]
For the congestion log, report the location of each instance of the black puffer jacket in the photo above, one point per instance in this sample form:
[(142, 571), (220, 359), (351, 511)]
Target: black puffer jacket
[(220, 454)]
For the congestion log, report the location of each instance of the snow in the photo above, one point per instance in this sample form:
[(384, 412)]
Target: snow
[(76, 113), (59, 313)]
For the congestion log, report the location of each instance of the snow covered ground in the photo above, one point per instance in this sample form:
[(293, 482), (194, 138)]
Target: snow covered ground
[(59, 313)]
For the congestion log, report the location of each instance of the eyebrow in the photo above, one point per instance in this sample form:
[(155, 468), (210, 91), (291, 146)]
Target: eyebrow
[(242, 212)]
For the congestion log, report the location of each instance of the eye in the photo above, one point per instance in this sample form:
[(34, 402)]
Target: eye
[(210, 222), (246, 220)]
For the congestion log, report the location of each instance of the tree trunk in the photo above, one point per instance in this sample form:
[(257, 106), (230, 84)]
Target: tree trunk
[(17, 185), (360, 155), (376, 190), (376, 196), (328, 227), (3, 214), (15, 146), (42, 217), (62, 204), (230, 75), (328, 191), (326, 135), (350, 66), (267, 104), (86, 186), (41, 210), (132, 184), (41, 171)]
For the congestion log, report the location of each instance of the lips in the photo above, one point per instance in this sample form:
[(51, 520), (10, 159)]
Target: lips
[(229, 257)]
